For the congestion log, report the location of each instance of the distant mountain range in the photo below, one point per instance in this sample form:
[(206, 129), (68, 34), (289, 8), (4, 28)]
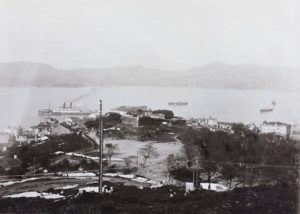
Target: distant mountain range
[(214, 75)]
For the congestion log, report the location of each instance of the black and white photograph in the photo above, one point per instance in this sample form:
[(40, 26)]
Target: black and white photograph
[(150, 106)]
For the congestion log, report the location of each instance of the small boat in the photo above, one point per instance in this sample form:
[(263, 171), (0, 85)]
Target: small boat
[(266, 110), (179, 103)]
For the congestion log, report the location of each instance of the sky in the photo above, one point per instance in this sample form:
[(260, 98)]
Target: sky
[(165, 34)]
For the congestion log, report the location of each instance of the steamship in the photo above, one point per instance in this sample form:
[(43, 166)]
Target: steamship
[(67, 110)]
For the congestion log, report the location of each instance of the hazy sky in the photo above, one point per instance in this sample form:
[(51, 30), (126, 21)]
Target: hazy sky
[(155, 33)]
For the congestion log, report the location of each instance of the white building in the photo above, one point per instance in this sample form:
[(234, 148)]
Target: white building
[(295, 132), (277, 128), (211, 122)]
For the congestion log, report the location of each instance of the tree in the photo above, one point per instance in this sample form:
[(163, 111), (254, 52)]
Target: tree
[(208, 166), (2, 170), (168, 114), (65, 164), (229, 172), (111, 149), (109, 120), (244, 157), (177, 168), (148, 151), (209, 152), (88, 164)]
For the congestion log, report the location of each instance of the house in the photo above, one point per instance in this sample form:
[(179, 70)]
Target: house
[(21, 139), (157, 116), (295, 132), (179, 121), (132, 110), (3, 147), (13, 131), (225, 126), (129, 120), (277, 128), (193, 123), (252, 127), (4, 139), (210, 122)]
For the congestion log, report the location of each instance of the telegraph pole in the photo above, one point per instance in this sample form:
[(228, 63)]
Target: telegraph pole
[(100, 149), (34, 165)]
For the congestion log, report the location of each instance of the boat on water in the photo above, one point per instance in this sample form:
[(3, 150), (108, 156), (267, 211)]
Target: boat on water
[(266, 110), (67, 110), (179, 103)]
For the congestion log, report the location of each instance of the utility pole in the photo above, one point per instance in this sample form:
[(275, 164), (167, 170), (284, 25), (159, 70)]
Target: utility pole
[(34, 165), (100, 149)]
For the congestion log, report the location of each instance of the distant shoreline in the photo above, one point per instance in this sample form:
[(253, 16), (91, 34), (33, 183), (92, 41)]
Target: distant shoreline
[(213, 75), (154, 86)]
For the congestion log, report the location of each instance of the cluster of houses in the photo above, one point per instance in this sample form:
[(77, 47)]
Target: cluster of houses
[(282, 129), (278, 128), (132, 115), (36, 133), (211, 123)]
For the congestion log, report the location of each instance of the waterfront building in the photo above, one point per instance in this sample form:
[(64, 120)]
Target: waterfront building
[(277, 128)]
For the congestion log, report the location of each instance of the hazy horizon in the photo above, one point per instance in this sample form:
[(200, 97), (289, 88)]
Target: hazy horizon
[(171, 35), (161, 68)]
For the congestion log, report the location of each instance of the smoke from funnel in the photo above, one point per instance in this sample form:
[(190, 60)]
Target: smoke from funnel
[(80, 97)]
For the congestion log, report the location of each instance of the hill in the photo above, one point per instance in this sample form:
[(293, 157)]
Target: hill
[(214, 75)]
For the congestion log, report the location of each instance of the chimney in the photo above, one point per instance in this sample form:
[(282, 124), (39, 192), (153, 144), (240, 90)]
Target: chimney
[(64, 106), (70, 105)]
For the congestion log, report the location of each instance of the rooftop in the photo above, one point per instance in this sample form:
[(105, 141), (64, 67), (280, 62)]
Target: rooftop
[(275, 123)]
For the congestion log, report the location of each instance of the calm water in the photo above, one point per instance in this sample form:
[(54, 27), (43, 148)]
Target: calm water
[(19, 106)]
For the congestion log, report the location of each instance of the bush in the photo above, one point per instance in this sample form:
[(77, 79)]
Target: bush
[(148, 121), (168, 114), (109, 121)]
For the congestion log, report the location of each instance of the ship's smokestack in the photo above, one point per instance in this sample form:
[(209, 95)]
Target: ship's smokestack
[(71, 105), (64, 106)]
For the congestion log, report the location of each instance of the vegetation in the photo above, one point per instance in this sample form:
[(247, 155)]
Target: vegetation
[(168, 114), (64, 165), (87, 164), (109, 120), (129, 199), (244, 158), (111, 149), (148, 121), (148, 151), (40, 154)]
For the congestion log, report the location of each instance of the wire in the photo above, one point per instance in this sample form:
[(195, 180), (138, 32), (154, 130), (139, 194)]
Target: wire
[(253, 165)]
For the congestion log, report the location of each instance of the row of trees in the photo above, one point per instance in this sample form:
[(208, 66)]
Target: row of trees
[(41, 154), (244, 157), (109, 121)]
